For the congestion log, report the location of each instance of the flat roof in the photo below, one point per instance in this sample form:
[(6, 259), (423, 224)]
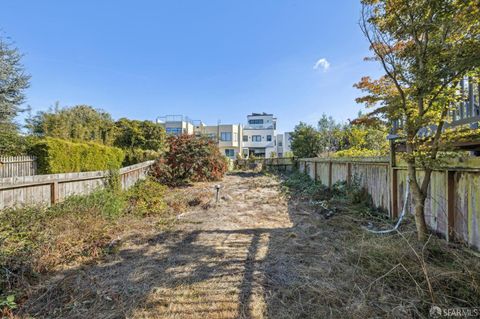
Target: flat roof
[(260, 114)]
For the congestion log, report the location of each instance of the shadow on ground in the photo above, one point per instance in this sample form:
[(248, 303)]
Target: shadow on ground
[(202, 270)]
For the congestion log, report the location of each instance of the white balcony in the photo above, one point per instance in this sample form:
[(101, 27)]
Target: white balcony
[(259, 127)]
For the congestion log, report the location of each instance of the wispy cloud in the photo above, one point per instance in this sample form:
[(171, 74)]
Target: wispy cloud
[(322, 64)]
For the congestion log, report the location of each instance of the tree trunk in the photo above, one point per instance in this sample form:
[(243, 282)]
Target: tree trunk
[(419, 209), (419, 198)]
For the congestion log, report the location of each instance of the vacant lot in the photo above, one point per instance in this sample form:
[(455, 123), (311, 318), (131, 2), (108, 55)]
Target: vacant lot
[(262, 251)]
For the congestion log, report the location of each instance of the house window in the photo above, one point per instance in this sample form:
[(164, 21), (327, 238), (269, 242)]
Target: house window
[(256, 138), (280, 143), (174, 130), (226, 136), (269, 138), (229, 153), (255, 122), (212, 136), (245, 138)]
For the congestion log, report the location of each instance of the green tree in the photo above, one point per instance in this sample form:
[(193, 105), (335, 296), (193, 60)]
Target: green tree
[(305, 141), (332, 135), (78, 123), (365, 134), (13, 82), (146, 135), (425, 47)]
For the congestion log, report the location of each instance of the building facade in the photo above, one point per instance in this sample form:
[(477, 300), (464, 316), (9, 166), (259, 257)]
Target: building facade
[(257, 138), (284, 144), (176, 124), (259, 135)]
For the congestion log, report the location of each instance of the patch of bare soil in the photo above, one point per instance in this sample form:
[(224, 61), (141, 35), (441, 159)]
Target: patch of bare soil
[(254, 254), (209, 263)]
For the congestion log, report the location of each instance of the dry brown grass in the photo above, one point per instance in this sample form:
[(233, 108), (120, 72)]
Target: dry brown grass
[(339, 270), (257, 253)]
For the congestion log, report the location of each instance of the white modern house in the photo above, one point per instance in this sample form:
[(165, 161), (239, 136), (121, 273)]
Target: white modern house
[(257, 138), (176, 124), (259, 135)]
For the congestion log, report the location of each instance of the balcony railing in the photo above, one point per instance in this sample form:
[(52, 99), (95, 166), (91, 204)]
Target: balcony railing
[(177, 118), (259, 127), (466, 112)]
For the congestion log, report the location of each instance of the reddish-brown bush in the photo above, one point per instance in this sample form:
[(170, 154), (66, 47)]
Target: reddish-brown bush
[(189, 159)]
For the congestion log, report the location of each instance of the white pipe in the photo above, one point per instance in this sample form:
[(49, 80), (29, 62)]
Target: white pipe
[(402, 215)]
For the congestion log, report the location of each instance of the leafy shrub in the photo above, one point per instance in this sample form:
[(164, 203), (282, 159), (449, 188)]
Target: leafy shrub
[(38, 239), (78, 123), (9, 302), (359, 152), (303, 187), (288, 154), (113, 181), (60, 156), (189, 159), (41, 239), (134, 134), (147, 198), (137, 155)]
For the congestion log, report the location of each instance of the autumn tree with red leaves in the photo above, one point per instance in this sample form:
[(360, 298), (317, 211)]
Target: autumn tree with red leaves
[(189, 159)]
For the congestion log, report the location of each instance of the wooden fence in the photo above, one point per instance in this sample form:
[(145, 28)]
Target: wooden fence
[(18, 166), (278, 163), (452, 208), (53, 188)]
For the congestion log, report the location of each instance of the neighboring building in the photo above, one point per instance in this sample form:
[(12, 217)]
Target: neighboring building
[(287, 142), (257, 138), (280, 151), (284, 144), (228, 137), (176, 124)]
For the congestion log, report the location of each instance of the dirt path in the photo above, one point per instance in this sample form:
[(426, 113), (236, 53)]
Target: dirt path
[(210, 265), (215, 261)]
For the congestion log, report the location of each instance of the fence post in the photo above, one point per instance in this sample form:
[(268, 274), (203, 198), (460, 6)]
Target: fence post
[(315, 170), (330, 164), (393, 180), (349, 173), (305, 167), (450, 205), (54, 192), (394, 191)]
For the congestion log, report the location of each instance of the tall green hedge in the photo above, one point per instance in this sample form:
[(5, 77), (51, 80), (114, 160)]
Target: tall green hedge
[(55, 155)]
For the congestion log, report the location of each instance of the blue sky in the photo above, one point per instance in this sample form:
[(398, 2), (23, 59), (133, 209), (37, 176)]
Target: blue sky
[(211, 60)]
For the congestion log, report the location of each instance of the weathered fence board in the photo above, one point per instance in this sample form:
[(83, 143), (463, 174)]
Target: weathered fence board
[(375, 178), (47, 189), (452, 208), (279, 163), (322, 171), (17, 166), (467, 207)]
